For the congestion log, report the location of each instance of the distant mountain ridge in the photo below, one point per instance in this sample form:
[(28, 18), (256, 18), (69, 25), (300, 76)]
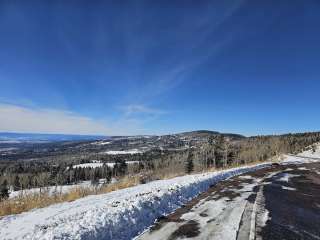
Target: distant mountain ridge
[(46, 137), (204, 133)]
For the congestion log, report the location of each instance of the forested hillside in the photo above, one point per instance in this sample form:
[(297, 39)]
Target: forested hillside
[(187, 152)]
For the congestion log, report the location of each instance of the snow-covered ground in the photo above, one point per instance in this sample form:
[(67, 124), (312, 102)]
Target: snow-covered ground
[(99, 164), (101, 143), (120, 214), (90, 165), (131, 151), (7, 149), (52, 190), (310, 153)]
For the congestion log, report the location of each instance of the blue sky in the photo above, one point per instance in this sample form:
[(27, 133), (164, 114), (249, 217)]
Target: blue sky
[(155, 67)]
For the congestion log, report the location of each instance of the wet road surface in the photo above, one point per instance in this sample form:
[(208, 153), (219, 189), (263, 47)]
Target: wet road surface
[(279, 202)]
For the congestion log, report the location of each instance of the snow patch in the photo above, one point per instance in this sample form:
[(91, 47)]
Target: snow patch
[(101, 143), (264, 218), (286, 176), (245, 177), (289, 169), (132, 151), (310, 153), (8, 149), (88, 165), (302, 168), (99, 164), (288, 188)]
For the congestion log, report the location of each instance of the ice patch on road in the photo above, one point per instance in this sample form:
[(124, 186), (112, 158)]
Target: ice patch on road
[(265, 218), (302, 168), (245, 177), (286, 176), (288, 188), (289, 169)]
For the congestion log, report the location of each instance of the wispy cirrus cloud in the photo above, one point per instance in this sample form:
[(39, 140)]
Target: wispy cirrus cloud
[(139, 109), (200, 39)]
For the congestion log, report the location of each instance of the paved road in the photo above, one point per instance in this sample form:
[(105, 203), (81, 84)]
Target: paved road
[(280, 202)]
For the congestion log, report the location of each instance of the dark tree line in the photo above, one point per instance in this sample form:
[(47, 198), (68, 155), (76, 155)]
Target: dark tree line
[(26, 176)]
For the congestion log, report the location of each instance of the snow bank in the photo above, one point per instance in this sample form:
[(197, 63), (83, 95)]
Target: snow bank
[(121, 214)]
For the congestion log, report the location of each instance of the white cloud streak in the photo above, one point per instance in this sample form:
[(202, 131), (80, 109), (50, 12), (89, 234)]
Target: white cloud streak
[(14, 118), (21, 119), (132, 121)]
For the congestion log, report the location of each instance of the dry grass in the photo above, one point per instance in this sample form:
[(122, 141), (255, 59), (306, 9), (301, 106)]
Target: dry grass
[(26, 202)]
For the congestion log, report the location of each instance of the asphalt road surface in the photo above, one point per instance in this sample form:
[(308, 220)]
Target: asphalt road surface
[(280, 202)]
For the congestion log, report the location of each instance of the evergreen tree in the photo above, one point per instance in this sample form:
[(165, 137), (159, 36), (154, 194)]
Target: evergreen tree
[(120, 168), (189, 163), (95, 177), (4, 190), (17, 184), (314, 148), (220, 150)]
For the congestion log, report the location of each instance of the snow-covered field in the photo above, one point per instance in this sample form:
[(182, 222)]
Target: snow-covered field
[(93, 164), (7, 149), (101, 143), (99, 164), (131, 151), (121, 214), (52, 190)]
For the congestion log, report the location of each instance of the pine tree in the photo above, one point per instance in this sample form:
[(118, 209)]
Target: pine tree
[(220, 151), (189, 163), (17, 184), (314, 148), (4, 190)]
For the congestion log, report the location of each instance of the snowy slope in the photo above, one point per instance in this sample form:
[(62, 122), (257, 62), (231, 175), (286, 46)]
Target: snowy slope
[(121, 214), (310, 153)]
